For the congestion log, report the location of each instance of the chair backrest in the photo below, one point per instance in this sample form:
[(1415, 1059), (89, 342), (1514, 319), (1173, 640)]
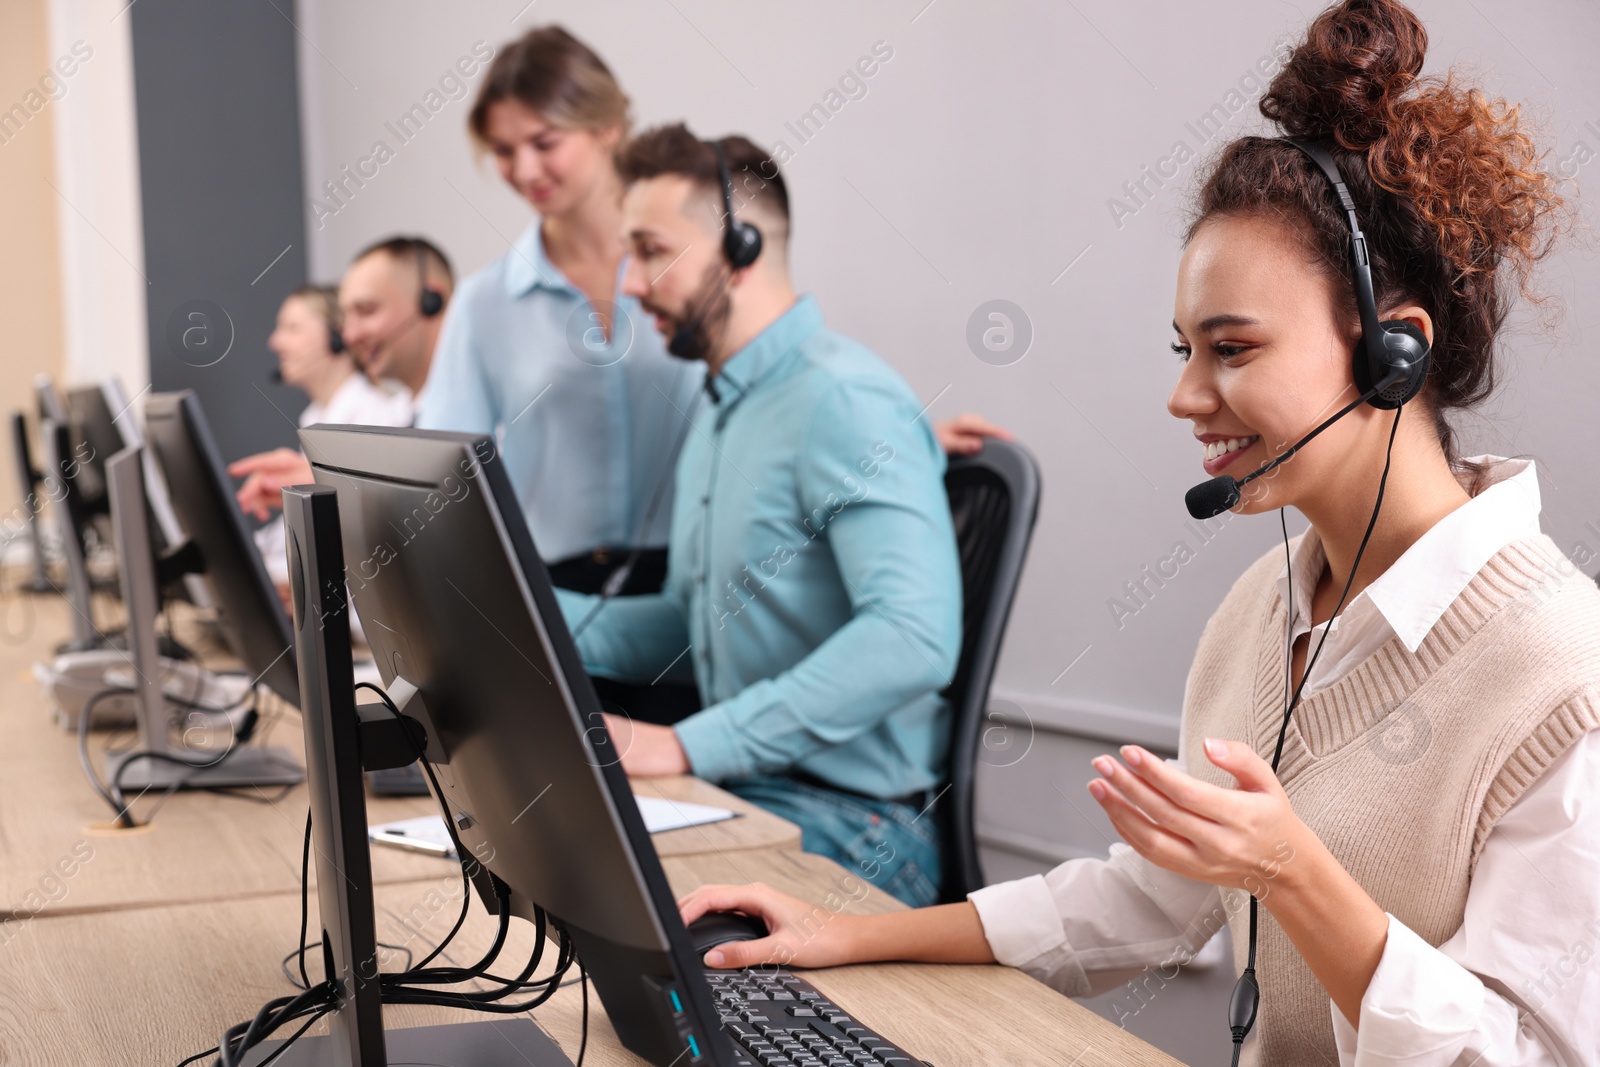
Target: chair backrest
[(994, 500)]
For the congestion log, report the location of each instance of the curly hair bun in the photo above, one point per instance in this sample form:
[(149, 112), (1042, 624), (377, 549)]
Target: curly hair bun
[(1347, 77), (1464, 162)]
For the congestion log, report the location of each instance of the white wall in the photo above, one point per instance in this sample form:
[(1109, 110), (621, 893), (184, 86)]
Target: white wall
[(97, 165), (978, 166)]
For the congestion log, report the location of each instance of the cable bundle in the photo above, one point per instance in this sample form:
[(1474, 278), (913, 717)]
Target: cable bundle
[(112, 793), (415, 985)]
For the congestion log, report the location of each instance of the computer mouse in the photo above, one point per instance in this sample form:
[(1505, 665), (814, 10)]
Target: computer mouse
[(719, 927)]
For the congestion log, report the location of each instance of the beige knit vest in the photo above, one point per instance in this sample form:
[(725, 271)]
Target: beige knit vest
[(1403, 766)]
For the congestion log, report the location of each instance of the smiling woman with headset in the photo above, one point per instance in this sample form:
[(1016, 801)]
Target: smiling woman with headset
[(1388, 783)]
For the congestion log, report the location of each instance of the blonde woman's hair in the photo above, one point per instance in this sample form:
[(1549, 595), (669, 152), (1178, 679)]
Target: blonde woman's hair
[(553, 73)]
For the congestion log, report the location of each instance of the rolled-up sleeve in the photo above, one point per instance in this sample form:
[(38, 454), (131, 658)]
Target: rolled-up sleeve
[(892, 543), (1423, 1009), (1517, 984)]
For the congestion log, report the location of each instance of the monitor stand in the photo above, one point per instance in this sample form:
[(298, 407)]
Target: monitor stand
[(235, 765), (249, 765), (70, 519), (510, 1041), (334, 748)]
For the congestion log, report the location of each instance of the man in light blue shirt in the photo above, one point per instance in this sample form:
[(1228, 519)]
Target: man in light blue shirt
[(813, 588)]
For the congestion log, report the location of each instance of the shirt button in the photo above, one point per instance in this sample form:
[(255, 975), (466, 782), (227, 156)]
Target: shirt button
[(705, 501)]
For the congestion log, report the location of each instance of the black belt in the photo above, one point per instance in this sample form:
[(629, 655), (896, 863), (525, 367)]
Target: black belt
[(918, 800), (587, 572)]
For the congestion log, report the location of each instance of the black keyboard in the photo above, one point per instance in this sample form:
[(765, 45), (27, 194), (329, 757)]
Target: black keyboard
[(778, 1020)]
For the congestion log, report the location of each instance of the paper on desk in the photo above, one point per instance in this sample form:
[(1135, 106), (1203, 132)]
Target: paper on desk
[(662, 814), (428, 834)]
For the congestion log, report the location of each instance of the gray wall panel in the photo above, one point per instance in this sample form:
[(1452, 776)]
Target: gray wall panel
[(218, 111)]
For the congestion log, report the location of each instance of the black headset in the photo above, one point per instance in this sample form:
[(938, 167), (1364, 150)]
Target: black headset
[(741, 242), (336, 343), (429, 301), (1393, 355)]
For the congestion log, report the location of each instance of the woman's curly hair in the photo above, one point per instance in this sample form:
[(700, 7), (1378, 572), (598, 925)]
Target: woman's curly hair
[(1455, 202)]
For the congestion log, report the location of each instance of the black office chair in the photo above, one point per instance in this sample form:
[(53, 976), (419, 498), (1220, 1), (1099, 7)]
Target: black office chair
[(994, 500)]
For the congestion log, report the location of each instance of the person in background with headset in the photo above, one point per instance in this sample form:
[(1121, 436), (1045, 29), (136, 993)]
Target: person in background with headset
[(391, 301), (1388, 782), (313, 357), (813, 589)]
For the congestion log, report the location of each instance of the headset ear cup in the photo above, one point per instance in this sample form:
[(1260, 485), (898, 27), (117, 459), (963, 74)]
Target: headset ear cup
[(741, 243), (335, 340), (1401, 358), (430, 302)]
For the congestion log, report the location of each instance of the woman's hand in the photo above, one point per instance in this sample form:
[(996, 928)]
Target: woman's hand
[(1250, 838), (1239, 838), (964, 434), (798, 934)]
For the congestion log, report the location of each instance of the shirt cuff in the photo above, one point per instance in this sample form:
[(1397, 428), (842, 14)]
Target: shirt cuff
[(1345, 1038), (1420, 1004), (1020, 920), (711, 746)]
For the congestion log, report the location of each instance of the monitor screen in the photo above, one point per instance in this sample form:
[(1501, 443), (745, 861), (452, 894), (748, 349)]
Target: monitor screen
[(99, 431), (248, 609), (455, 602)]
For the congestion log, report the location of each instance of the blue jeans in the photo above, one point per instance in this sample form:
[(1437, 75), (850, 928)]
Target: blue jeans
[(893, 846)]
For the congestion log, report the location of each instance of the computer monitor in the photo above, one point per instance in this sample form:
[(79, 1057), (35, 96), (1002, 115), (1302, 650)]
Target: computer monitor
[(101, 423), (157, 763), (72, 458), (29, 481), (97, 436), (465, 628), (103, 417), (249, 613), (51, 406), (338, 744), (72, 519)]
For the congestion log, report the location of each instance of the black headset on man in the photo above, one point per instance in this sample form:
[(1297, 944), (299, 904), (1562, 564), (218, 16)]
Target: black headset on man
[(741, 246), (1390, 363), (741, 241), (429, 300)]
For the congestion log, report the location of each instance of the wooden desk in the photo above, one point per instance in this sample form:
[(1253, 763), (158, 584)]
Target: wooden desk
[(153, 985), (201, 847)]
